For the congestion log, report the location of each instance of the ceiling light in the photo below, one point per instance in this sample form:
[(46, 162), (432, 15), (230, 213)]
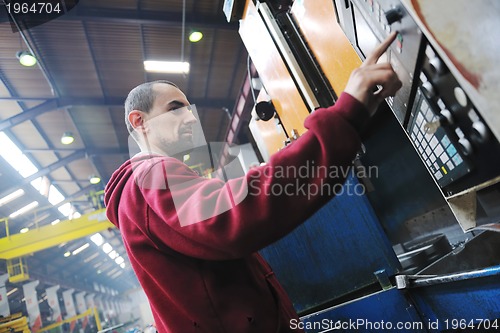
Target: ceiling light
[(67, 254), (97, 239), (11, 292), (119, 260), (122, 265), (67, 138), (113, 254), (173, 67), (93, 256), (80, 249), (195, 36), (11, 196), (107, 248), (24, 230), (94, 179), (26, 58), (24, 209)]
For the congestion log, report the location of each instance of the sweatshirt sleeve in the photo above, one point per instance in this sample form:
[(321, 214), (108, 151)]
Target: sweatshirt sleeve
[(216, 220)]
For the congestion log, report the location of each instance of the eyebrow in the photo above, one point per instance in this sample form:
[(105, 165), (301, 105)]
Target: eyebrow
[(176, 103)]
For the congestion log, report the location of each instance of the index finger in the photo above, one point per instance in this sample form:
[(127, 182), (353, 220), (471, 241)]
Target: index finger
[(380, 50)]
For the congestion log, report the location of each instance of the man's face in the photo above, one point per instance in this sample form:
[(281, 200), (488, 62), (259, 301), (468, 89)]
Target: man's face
[(169, 124)]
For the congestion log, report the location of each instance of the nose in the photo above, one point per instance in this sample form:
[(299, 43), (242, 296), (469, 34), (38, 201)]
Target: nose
[(190, 118)]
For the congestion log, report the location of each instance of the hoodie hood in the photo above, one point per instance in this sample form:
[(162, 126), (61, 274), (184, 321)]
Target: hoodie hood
[(115, 187)]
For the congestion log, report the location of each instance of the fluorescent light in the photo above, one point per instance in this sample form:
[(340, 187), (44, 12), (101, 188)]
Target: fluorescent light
[(122, 265), (91, 257), (106, 247), (80, 249), (119, 260), (97, 239), (55, 222), (174, 67), (9, 197), (24, 209), (67, 254), (11, 292), (113, 254), (24, 230), (112, 271), (117, 274)]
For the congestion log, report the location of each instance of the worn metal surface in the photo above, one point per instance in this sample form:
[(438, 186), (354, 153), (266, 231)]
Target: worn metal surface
[(334, 253), (386, 311), (461, 301)]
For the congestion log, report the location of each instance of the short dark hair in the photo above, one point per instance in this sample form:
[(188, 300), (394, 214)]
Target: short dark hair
[(142, 98)]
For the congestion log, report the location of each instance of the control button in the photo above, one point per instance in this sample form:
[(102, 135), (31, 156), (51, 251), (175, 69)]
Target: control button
[(438, 175), (466, 146), (439, 150), (393, 15), (428, 89), (399, 43), (450, 165), (434, 142), (441, 104), (446, 117), (451, 150), (432, 157), (444, 158), (480, 132), (437, 66), (457, 159), (460, 96), (445, 141)]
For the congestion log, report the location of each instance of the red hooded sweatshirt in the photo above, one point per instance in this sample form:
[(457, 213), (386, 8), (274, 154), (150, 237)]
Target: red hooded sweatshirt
[(200, 271)]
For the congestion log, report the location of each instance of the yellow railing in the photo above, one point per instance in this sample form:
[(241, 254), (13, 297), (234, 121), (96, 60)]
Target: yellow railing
[(89, 312)]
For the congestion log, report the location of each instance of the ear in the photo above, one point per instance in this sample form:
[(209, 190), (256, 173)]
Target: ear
[(136, 119)]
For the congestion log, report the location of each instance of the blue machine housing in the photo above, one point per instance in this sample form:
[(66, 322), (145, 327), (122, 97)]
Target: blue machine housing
[(334, 253)]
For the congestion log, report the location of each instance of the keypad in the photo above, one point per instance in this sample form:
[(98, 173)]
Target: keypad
[(436, 149)]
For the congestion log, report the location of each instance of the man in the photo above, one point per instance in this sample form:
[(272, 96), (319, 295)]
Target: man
[(201, 271)]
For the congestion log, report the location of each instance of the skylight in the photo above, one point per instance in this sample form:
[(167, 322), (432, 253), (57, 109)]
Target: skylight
[(15, 157), (22, 164)]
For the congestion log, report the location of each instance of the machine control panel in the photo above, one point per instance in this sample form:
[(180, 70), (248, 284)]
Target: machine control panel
[(367, 22), (443, 113), (442, 123)]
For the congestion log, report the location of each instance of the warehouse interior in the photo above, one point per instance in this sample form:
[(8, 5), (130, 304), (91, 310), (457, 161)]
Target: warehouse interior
[(419, 245)]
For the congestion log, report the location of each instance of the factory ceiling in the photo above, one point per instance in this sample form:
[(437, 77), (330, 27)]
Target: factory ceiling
[(88, 60)]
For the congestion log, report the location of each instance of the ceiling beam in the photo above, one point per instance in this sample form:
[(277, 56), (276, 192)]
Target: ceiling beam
[(71, 102), (47, 106), (149, 17)]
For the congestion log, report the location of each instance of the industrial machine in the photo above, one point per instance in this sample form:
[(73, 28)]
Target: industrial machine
[(413, 249)]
